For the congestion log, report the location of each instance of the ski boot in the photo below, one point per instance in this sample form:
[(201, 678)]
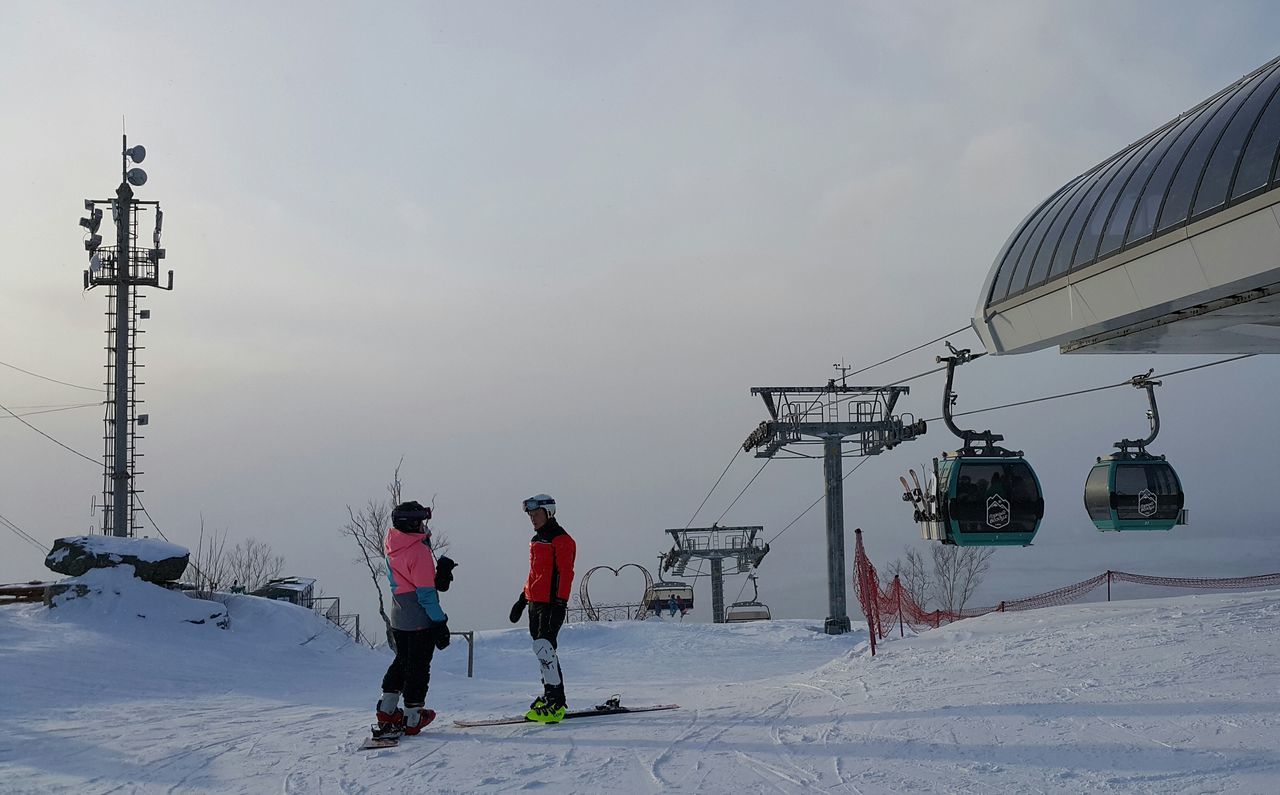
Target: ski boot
[(390, 717), (548, 709), (416, 718)]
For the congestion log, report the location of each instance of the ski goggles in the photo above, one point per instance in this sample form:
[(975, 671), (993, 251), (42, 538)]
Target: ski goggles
[(533, 504), (423, 515)]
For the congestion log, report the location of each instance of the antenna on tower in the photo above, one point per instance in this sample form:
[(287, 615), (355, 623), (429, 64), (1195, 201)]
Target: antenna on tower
[(123, 269), (844, 371)]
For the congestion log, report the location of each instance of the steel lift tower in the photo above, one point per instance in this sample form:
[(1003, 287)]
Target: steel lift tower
[(831, 415), (715, 544), (122, 269)]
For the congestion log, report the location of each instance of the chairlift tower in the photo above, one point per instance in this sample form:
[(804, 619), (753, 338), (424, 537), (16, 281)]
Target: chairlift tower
[(716, 544), (123, 269), (832, 415)]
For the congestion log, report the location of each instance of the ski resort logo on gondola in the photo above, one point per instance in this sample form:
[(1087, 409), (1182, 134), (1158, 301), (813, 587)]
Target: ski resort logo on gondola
[(1146, 503), (997, 511)]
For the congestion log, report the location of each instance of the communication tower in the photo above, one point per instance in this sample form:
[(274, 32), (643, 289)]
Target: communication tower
[(123, 269)]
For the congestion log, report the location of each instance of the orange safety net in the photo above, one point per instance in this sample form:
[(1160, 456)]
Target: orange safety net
[(892, 605)]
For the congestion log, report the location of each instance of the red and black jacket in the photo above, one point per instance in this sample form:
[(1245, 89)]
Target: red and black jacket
[(551, 555)]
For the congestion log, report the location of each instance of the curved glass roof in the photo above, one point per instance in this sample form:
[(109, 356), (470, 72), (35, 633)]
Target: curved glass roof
[(1219, 153)]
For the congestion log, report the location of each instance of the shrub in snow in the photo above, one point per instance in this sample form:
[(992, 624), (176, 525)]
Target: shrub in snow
[(153, 561)]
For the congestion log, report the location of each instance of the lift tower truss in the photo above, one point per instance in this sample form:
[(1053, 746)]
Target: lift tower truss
[(741, 545), (832, 416), (123, 268)]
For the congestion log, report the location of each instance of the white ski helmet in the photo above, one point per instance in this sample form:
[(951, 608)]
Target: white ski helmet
[(540, 501)]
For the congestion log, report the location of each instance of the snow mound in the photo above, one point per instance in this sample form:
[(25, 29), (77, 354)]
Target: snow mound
[(272, 622), (115, 599)]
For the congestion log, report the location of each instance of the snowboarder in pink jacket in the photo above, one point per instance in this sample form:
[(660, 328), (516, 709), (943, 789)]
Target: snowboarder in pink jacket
[(418, 624)]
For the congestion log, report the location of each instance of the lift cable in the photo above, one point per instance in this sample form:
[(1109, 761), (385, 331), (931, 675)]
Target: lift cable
[(1126, 382), (909, 350), (736, 451), (815, 502), (93, 461), (53, 380), (744, 489), (150, 518), (51, 410), (20, 533)]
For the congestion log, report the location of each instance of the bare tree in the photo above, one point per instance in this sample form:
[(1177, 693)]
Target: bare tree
[(246, 566), (209, 563), (365, 529), (252, 563), (439, 541), (957, 573), (913, 576)]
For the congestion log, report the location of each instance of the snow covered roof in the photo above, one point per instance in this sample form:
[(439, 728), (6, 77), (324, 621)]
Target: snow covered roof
[(290, 584)]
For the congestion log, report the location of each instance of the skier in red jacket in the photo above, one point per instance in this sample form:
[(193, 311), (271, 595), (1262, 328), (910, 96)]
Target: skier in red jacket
[(551, 556)]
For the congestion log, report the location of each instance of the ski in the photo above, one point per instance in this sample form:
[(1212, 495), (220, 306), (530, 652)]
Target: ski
[(918, 493), (907, 496), (609, 708)]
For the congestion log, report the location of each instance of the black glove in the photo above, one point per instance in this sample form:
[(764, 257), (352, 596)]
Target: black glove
[(517, 609), (444, 573), (440, 634)]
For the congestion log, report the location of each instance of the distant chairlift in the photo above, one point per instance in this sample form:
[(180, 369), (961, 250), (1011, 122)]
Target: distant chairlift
[(660, 595), (978, 495), (748, 611), (1132, 489)]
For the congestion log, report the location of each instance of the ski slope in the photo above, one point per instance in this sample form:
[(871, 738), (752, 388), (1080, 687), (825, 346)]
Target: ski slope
[(1161, 696)]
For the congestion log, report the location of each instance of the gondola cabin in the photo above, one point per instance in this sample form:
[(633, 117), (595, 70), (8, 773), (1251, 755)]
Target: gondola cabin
[(659, 597), (739, 612), (1133, 491), (986, 500)]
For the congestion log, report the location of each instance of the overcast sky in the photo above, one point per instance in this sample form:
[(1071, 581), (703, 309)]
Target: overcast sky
[(550, 247)]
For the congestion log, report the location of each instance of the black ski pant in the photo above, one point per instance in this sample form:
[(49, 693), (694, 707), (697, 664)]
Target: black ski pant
[(410, 672), (545, 620)]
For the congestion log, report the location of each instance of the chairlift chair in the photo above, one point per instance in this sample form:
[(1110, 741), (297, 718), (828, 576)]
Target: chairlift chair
[(753, 610), (659, 596)]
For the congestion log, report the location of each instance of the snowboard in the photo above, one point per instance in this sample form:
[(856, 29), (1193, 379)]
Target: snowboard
[(373, 741), (370, 743), (610, 707)]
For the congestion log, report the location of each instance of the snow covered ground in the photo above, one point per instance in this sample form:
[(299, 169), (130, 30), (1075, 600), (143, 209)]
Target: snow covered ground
[(1162, 696)]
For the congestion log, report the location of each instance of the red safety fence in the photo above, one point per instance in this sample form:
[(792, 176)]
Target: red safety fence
[(892, 605)]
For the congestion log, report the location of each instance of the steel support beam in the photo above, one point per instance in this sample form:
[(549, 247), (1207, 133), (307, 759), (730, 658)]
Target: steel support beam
[(121, 500), (717, 590), (837, 622)]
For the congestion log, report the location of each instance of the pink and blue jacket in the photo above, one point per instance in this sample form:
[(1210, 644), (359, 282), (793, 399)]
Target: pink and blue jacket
[(412, 570)]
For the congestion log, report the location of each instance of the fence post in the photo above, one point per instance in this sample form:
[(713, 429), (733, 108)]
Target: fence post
[(1108, 585), (897, 592)]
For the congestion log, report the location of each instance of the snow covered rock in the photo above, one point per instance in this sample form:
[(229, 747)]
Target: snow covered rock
[(152, 560)]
